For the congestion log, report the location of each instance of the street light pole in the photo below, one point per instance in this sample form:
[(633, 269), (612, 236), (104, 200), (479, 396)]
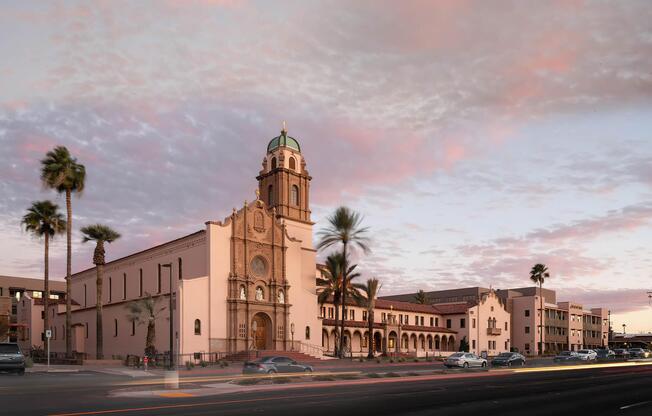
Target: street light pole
[(292, 331), (169, 265)]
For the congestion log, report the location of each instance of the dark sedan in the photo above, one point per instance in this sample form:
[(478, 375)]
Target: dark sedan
[(621, 353), (604, 354), (11, 358), (273, 365), (638, 353), (508, 359), (566, 356)]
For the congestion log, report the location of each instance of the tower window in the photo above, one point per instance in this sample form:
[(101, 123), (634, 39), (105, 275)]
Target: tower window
[(295, 195), (197, 327), (293, 164), (273, 163), (270, 193)]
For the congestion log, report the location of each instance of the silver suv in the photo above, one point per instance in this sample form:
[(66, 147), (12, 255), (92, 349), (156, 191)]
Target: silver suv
[(11, 359)]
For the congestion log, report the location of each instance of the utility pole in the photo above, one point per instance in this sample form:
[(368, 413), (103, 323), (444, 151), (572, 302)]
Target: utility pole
[(169, 265)]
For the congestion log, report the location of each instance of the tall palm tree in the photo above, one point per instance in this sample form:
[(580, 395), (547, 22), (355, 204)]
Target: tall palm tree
[(538, 275), (368, 293), (344, 227), (421, 297), (100, 234), (61, 172), (146, 311), (329, 285), (43, 219)]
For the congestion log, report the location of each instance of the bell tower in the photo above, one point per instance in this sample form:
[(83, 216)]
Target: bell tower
[(284, 182)]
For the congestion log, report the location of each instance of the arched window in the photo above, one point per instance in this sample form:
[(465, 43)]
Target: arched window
[(273, 163), (260, 295), (243, 293), (293, 163), (307, 332), (133, 328), (197, 327), (295, 195), (270, 193), (281, 297), (115, 327)]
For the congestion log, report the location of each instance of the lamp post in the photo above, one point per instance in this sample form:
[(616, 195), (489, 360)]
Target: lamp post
[(292, 332), (169, 265)]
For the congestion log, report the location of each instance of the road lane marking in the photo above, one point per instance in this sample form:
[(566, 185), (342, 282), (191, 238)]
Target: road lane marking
[(635, 405), (188, 405)]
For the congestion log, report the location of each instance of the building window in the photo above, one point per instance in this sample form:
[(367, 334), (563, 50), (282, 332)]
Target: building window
[(273, 163), (331, 313), (449, 323), (86, 332), (473, 323), (364, 315), (292, 163), (270, 193), (260, 295), (197, 327), (307, 332), (492, 309), (85, 298), (322, 312), (384, 317), (115, 327), (352, 315), (527, 329), (124, 285), (437, 322), (473, 344), (407, 319), (140, 283), (281, 297), (527, 312), (133, 328), (421, 319), (110, 288), (158, 279), (432, 322), (295, 195), (281, 332), (400, 318), (505, 326), (527, 347), (462, 323), (180, 268), (242, 330)]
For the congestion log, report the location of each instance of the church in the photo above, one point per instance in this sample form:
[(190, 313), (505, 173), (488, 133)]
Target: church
[(245, 282)]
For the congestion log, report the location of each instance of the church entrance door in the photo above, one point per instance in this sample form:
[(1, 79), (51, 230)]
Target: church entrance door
[(262, 331)]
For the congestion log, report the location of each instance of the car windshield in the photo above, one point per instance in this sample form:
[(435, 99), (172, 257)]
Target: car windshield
[(505, 354), (565, 353), (457, 355), (584, 351), (9, 349)]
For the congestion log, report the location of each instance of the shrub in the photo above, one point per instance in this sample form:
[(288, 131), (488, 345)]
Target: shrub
[(401, 359), (203, 363), (281, 380), (391, 360), (361, 360), (416, 360), (429, 359), (190, 365), (248, 381), (373, 375), (378, 360), (28, 362)]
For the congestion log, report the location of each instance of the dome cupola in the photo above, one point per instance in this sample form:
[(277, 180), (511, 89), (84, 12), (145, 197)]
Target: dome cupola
[(283, 141)]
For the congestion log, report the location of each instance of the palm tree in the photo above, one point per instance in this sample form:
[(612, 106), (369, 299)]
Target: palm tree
[(421, 297), (146, 311), (368, 293), (100, 234), (329, 284), (61, 172), (538, 275), (43, 219), (344, 227)]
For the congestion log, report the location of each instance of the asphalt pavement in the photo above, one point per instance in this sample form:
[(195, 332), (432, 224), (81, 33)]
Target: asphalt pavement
[(594, 390)]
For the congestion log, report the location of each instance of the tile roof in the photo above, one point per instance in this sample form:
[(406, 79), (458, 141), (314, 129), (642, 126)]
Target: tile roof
[(453, 308)]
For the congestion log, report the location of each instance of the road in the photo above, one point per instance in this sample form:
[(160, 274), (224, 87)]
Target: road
[(592, 391)]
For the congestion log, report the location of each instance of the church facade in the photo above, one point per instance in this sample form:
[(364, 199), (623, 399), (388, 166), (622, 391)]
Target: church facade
[(245, 282)]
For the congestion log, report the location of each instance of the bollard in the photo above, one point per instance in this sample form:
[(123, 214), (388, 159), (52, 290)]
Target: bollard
[(171, 379)]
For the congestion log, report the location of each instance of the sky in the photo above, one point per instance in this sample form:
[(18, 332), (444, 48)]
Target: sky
[(477, 138)]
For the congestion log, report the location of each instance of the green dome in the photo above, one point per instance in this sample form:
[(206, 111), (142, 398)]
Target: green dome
[(283, 140)]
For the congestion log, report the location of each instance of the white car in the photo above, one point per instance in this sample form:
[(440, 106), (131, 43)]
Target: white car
[(465, 360), (587, 355)]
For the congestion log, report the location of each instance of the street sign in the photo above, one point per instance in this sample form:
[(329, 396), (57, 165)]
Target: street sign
[(48, 333)]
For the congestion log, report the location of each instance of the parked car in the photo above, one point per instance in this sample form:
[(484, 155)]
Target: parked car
[(621, 353), (638, 353), (587, 355), (464, 360), (11, 358), (508, 359), (273, 365), (566, 356), (605, 354)]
